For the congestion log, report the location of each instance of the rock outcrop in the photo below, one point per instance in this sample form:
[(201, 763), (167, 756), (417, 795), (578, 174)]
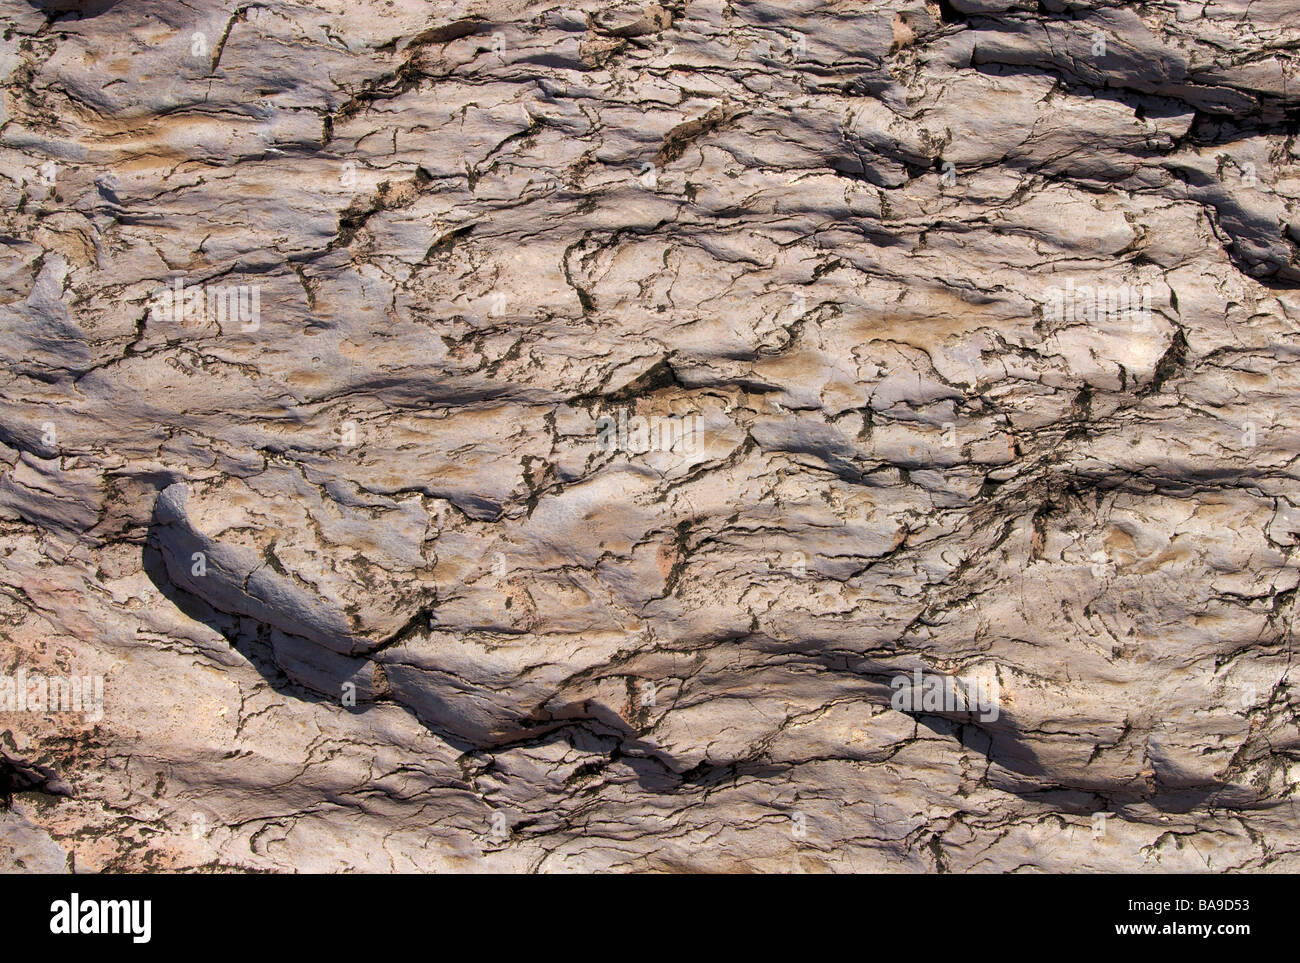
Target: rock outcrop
[(685, 436)]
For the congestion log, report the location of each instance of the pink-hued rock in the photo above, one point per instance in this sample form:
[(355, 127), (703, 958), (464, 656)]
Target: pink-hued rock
[(690, 436)]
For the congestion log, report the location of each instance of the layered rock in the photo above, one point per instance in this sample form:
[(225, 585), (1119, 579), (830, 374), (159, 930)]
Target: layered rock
[(493, 436)]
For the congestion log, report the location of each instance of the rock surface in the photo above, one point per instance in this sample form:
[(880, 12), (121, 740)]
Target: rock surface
[(588, 414)]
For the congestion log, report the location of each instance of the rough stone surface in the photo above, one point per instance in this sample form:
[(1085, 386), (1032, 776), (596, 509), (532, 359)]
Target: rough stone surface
[(832, 238)]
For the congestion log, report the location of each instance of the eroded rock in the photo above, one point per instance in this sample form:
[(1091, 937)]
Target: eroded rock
[(580, 419)]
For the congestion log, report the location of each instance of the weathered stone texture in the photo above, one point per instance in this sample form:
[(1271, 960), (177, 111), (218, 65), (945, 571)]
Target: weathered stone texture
[(883, 263)]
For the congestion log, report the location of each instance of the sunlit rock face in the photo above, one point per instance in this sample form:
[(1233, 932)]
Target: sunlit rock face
[(676, 437)]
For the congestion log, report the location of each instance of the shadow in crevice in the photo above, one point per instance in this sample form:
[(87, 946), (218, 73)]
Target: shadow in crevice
[(1001, 742), (84, 9), (264, 648), (1068, 792), (20, 776), (246, 636), (471, 720)]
